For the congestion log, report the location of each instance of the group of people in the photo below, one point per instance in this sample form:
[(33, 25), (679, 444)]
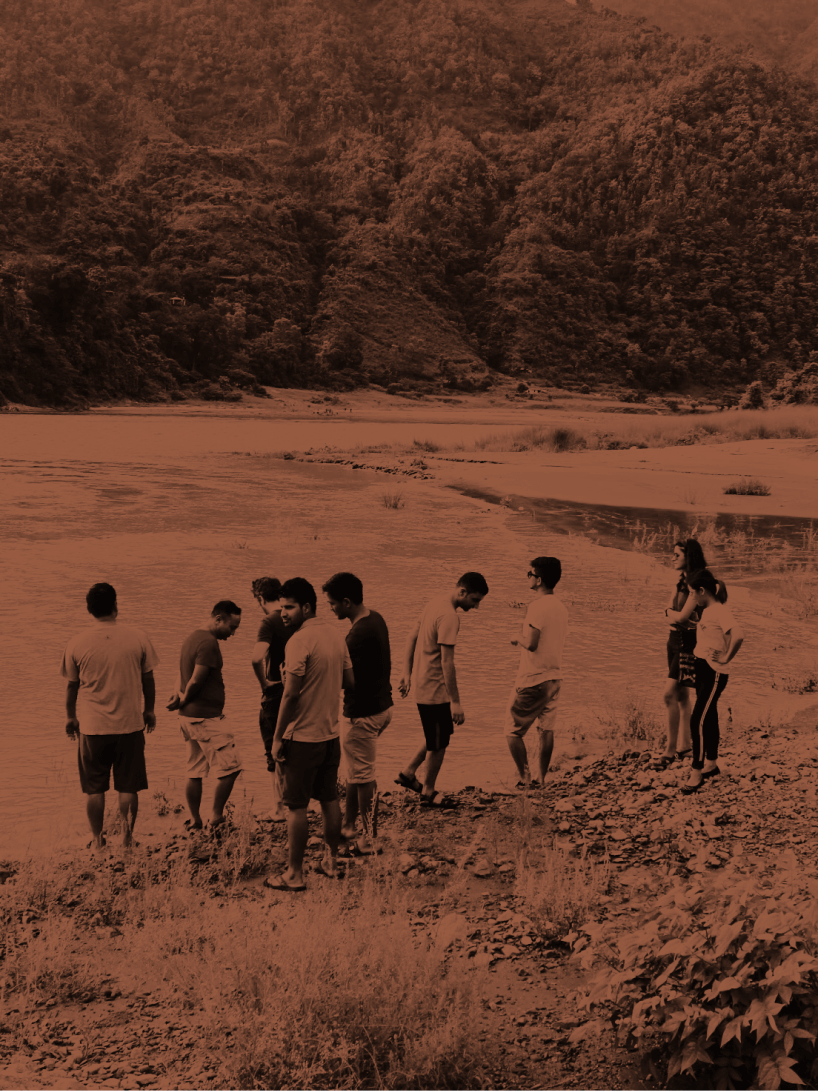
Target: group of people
[(306, 669), (704, 638)]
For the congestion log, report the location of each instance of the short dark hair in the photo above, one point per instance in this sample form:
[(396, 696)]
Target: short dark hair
[(301, 591), (548, 569), (267, 588), (101, 600), (343, 585), (226, 607), (474, 583)]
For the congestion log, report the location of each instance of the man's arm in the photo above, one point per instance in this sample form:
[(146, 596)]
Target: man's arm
[(405, 683), (72, 725), (260, 653), (286, 713), (194, 684), (450, 680), (149, 693), (533, 639)]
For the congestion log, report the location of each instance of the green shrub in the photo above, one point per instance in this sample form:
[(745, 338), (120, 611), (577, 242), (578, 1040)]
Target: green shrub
[(718, 982)]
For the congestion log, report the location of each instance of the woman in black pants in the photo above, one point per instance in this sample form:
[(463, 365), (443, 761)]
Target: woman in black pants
[(718, 638), (682, 612)]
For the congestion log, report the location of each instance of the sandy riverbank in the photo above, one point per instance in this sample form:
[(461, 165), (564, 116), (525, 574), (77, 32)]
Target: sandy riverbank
[(689, 477)]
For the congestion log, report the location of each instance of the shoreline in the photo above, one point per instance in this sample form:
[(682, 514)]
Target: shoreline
[(686, 477)]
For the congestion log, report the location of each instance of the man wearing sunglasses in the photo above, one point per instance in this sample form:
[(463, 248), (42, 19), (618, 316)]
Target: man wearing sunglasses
[(536, 688)]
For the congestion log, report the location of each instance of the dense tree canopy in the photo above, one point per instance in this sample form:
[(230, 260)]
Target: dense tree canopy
[(225, 193)]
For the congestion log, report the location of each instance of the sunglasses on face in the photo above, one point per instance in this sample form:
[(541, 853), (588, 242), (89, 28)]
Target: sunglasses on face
[(529, 574)]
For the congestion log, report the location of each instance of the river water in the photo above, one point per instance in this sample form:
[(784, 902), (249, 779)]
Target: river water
[(178, 512)]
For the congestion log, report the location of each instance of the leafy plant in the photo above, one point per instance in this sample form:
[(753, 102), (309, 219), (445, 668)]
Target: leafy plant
[(717, 981)]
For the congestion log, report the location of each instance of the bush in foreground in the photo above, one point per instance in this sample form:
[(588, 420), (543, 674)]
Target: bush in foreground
[(718, 982)]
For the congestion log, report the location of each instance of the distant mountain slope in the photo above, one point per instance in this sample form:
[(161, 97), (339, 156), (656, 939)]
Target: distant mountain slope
[(222, 194)]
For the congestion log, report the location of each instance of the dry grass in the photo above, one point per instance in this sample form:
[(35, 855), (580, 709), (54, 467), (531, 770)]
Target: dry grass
[(793, 422), (393, 500), (334, 989), (629, 725), (747, 486), (560, 891)]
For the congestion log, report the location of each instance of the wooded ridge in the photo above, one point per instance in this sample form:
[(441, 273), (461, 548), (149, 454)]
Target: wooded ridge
[(420, 191)]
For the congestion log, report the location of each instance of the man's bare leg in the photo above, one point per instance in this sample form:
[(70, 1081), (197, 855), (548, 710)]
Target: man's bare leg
[(193, 795), (128, 810), (331, 813), (224, 786), (297, 835), (415, 764), (351, 809), (546, 750), (519, 753), (366, 798), (278, 812), (95, 809), (434, 760)]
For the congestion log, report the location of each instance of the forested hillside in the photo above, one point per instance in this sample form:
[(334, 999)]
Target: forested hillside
[(782, 31), (341, 191)]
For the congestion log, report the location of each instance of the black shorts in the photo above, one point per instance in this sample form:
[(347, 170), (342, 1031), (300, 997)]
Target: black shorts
[(309, 771), (675, 646), (438, 725), (98, 754)]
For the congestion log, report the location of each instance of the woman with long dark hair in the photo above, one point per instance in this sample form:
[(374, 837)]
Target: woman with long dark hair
[(682, 613), (718, 638)]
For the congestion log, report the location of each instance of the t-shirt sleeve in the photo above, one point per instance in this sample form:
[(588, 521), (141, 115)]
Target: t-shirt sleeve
[(208, 654), (69, 667), (536, 615), (149, 657), (265, 632), (347, 658), (726, 619), (448, 626), (295, 656)]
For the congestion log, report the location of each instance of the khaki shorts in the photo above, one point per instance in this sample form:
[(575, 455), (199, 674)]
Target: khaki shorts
[(532, 703), (359, 737), (209, 747)]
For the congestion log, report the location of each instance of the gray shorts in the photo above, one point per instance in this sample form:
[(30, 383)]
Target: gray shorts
[(530, 704)]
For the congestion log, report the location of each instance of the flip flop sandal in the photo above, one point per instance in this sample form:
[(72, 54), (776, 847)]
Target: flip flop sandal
[(191, 827), (412, 784), (281, 885), (684, 753)]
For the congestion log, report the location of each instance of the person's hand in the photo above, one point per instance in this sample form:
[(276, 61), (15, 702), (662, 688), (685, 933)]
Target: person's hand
[(174, 703), (404, 685), (72, 727), (717, 657), (278, 751), (149, 719), (458, 715), (515, 642)]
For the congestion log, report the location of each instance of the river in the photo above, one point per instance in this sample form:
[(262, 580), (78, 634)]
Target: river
[(178, 511)]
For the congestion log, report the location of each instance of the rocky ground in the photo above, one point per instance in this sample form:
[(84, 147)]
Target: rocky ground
[(460, 869)]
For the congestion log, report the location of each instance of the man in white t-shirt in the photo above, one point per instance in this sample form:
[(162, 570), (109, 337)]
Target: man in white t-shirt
[(430, 653), (536, 688), (109, 668)]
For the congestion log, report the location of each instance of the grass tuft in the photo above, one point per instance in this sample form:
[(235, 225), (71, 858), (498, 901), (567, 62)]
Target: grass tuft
[(560, 892), (392, 500), (747, 486)]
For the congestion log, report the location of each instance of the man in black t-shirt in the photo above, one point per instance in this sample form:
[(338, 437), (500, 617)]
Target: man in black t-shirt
[(367, 708), (268, 655)]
